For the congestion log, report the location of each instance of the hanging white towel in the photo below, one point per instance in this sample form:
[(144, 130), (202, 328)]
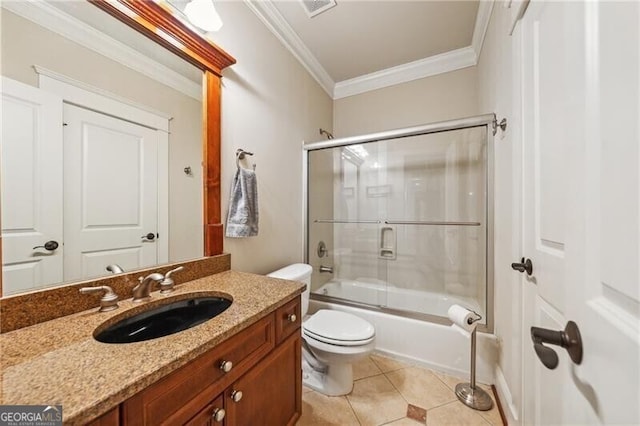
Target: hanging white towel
[(242, 220)]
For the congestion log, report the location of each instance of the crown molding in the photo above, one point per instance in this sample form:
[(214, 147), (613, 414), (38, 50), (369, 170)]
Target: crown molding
[(275, 22), (433, 65), (482, 23), (53, 19)]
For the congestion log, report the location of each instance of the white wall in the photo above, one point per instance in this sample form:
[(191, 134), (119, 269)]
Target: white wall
[(270, 104), (498, 92), (440, 97)]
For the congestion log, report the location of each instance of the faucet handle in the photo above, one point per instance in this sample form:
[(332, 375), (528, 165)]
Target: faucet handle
[(178, 269), (109, 300), (166, 286)]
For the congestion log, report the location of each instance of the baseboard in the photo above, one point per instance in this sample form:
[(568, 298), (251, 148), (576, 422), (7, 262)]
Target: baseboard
[(496, 397), (461, 374)]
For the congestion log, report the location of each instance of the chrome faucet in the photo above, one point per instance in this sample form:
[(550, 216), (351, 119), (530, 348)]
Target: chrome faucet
[(141, 291)]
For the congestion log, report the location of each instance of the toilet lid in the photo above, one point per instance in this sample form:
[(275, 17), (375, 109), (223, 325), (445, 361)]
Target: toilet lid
[(338, 328)]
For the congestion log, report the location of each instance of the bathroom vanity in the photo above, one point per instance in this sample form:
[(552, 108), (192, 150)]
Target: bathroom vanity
[(242, 367), (252, 378)]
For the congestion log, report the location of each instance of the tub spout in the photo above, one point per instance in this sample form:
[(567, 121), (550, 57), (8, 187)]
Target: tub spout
[(328, 269)]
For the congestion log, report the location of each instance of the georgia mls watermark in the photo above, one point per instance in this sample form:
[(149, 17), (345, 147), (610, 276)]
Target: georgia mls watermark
[(30, 415)]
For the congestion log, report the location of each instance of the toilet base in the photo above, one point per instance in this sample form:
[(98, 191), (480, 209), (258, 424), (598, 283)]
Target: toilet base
[(337, 381)]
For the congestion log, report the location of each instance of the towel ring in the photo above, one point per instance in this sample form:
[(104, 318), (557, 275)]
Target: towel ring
[(240, 154)]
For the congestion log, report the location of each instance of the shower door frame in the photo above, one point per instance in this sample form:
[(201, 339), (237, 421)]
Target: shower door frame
[(489, 121)]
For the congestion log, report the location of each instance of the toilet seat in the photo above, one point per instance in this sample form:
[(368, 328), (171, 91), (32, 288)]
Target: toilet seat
[(338, 328)]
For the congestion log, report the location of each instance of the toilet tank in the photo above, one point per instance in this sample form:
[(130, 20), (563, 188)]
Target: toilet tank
[(297, 272)]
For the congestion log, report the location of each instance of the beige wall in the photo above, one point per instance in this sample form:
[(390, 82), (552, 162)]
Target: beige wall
[(25, 44), (441, 97), (270, 104), (497, 93)]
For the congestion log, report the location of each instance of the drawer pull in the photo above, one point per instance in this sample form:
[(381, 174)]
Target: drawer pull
[(236, 395), (292, 318), (226, 366), (218, 414)]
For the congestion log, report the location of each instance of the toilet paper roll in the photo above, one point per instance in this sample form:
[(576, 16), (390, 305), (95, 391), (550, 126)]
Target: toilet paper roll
[(463, 319)]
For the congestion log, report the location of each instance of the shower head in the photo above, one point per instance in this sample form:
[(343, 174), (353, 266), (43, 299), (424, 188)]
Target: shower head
[(327, 134)]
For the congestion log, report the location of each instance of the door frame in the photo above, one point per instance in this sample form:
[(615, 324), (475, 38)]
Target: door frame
[(86, 96)]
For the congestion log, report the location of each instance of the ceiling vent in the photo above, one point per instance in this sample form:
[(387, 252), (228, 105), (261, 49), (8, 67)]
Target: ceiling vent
[(316, 7)]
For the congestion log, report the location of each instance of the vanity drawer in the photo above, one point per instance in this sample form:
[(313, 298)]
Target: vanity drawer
[(288, 319), (185, 392)]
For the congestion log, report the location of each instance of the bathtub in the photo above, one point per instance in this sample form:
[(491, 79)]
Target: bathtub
[(430, 344), (383, 294)]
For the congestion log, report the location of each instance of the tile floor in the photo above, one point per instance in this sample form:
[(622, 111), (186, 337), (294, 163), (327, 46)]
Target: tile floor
[(385, 391)]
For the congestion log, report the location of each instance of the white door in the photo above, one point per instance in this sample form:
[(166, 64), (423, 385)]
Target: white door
[(31, 187), (110, 194), (580, 79)]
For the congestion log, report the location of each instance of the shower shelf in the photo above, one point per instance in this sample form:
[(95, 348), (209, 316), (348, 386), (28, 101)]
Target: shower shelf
[(400, 222)]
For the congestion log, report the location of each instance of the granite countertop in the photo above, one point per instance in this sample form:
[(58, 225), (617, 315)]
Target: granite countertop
[(58, 362)]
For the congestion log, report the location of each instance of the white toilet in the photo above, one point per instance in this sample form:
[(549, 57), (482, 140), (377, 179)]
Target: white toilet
[(331, 340)]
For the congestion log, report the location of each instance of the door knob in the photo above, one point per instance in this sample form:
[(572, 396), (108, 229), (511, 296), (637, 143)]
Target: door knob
[(524, 265), (49, 245), (236, 395), (226, 366), (569, 338), (218, 414), (149, 237)]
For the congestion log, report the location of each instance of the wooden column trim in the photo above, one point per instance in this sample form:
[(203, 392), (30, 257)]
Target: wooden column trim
[(211, 165)]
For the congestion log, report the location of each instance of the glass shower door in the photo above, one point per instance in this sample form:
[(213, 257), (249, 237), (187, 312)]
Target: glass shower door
[(404, 222), (437, 208), (348, 227)]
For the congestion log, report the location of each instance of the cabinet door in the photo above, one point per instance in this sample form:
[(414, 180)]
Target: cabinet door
[(212, 415), (271, 391)]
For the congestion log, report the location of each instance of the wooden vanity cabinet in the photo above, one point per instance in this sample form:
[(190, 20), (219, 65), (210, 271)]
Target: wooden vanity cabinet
[(267, 373), (271, 391), (110, 418)]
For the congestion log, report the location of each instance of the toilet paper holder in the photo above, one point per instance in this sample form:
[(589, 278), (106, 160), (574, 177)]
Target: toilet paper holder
[(476, 319), (468, 393)]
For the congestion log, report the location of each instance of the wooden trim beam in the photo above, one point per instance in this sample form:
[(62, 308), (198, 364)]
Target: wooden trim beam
[(160, 25)]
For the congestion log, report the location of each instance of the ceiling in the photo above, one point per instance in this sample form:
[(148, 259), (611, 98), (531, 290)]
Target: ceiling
[(360, 37), (354, 47), (363, 45)]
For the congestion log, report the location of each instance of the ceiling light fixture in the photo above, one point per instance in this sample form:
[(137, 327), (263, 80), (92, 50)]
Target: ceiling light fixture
[(203, 15)]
